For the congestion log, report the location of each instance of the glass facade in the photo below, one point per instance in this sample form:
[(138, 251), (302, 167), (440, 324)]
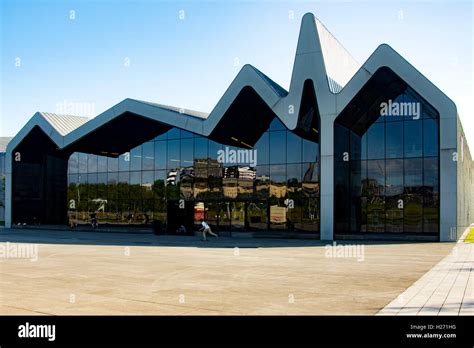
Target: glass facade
[(179, 177), (387, 169)]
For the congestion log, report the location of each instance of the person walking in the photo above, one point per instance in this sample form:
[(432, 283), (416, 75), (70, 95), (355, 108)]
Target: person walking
[(205, 230), (94, 223)]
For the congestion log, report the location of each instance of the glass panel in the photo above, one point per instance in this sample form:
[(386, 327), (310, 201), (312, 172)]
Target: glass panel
[(413, 138), (91, 163), (214, 149), (310, 214), (293, 148), (159, 185), (73, 167), (430, 137), (245, 182), (112, 180), (310, 151), (431, 213), (82, 163), (147, 184), (394, 196), (394, 177), (262, 147), (123, 185), (148, 153), (186, 182), (112, 164), (395, 140), (376, 141), (413, 175), (277, 147), (430, 175), (238, 220), (212, 215), (311, 171), (262, 182), (293, 173), (258, 216), (124, 162), (278, 181), (413, 213), (173, 154), (136, 158), (101, 164), (394, 214), (200, 148), (92, 187), (187, 152), (375, 177), (160, 154)]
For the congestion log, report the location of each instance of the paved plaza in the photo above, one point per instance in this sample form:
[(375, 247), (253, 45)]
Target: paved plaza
[(117, 273)]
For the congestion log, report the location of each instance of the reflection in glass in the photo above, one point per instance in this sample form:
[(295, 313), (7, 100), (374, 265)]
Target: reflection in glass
[(141, 185), (430, 137), (277, 147), (395, 140), (263, 149), (293, 148), (376, 141), (160, 154), (413, 138), (136, 158), (173, 154), (148, 153)]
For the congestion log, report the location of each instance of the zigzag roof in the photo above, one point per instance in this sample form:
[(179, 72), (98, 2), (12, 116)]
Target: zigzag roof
[(336, 77)]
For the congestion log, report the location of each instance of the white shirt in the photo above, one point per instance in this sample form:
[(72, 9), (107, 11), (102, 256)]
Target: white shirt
[(204, 224)]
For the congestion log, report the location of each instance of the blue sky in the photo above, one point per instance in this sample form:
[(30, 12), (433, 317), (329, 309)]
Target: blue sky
[(190, 62)]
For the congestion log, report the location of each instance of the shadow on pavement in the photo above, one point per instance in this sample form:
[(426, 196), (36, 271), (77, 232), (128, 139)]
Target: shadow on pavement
[(77, 237)]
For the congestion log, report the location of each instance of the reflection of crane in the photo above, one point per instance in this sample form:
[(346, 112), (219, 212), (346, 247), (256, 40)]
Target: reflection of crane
[(101, 202)]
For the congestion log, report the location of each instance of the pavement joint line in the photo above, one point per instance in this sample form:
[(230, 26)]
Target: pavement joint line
[(30, 310)]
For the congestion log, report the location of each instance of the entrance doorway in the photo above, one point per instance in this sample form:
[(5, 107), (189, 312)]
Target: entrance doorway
[(180, 213)]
